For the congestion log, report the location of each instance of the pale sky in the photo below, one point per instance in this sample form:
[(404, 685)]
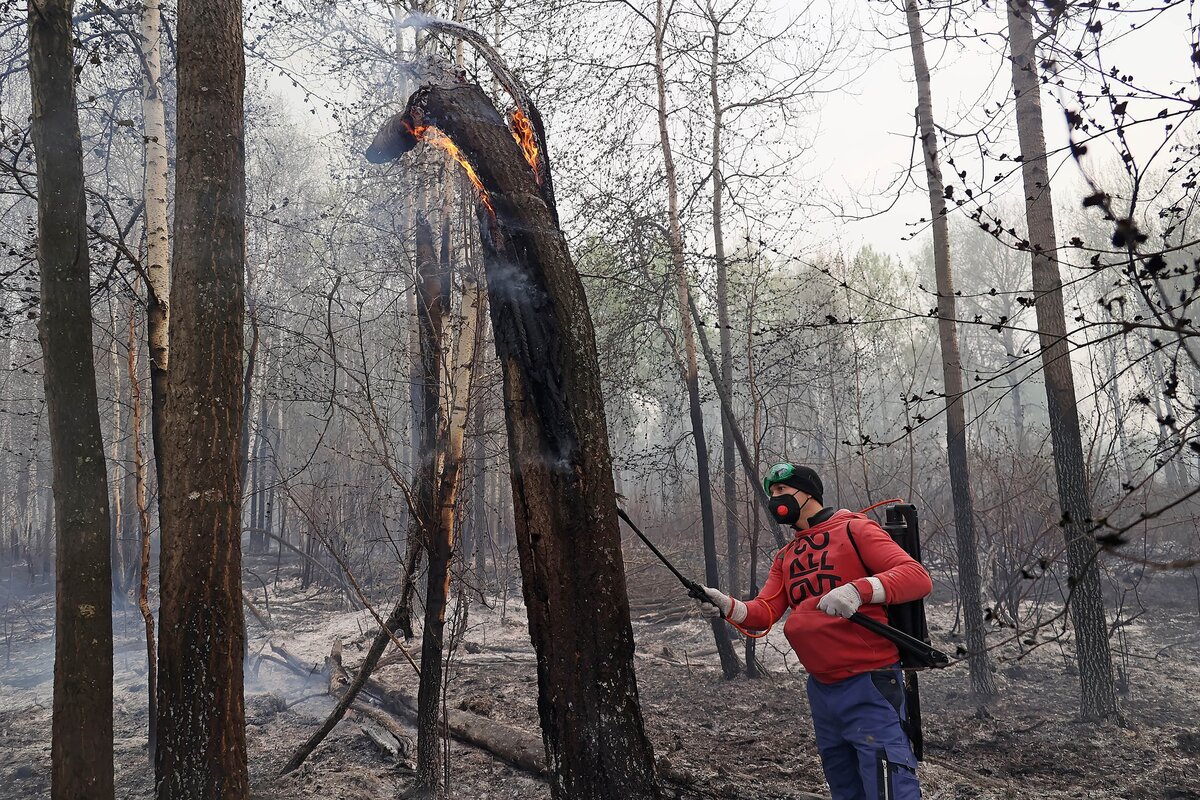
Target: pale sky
[(864, 135), (866, 131)]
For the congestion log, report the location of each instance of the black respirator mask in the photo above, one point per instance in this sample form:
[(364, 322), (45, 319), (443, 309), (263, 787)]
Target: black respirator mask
[(786, 509)]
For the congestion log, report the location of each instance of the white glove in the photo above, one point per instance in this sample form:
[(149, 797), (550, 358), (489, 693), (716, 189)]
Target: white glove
[(734, 610), (842, 601)]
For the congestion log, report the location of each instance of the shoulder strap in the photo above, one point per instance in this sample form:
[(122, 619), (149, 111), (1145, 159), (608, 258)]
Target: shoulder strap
[(854, 544)]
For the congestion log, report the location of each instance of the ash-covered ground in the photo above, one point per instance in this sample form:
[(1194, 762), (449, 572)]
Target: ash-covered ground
[(738, 739)]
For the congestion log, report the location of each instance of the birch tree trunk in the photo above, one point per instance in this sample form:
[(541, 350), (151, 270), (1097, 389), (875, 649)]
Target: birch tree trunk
[(201, 751), (982, 681), (1098, 693), (82, 725), (479, 480), (115, 481), (690, 367), (158, 249)]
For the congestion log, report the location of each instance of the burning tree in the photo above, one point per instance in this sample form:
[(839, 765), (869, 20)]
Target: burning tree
[(563, 493)]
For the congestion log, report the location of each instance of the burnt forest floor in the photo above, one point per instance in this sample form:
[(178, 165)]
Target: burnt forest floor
[(748, 739)]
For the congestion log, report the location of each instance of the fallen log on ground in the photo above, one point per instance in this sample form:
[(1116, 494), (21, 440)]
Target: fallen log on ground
[(511, 745), (387, 742), (347, 698), (514, 746), (339, 682)]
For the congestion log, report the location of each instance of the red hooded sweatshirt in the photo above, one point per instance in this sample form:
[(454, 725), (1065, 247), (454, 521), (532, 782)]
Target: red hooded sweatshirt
[(819, 559)]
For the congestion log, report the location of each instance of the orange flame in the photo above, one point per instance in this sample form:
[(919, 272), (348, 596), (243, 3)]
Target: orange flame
[(522, 132), (433, 136)]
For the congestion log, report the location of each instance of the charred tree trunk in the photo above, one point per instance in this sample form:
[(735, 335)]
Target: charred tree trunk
[(1098, 692), (82, 726), (561, 471), (201, 727), (967, 545), (425, 410), (433, 308)]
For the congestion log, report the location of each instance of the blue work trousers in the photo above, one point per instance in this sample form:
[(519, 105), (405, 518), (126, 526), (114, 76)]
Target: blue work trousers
[(864, 750)]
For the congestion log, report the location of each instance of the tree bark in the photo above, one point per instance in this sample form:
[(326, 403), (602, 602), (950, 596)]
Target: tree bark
[(756, 404), (561, 472), (1098, 693), (115, 482), (154, 195), (450, 442), (82, 724), (690, 366), (201, 751), (979, 663), (428, 326), (143, 519), (433, 310), (728, 481), (479, 480)]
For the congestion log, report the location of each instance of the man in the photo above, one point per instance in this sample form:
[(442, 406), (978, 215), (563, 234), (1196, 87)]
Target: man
[(840, 563)]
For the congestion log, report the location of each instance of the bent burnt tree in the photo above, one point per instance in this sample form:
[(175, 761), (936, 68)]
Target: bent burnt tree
[(563, 494)]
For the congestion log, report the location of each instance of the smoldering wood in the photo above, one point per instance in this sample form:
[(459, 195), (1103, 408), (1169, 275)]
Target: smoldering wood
[(347, 698), (388, 742), (391, 734), (561, 471), (512, 84)]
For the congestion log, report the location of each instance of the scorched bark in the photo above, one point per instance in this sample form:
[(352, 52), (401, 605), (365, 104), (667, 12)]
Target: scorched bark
[(563, 495)]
